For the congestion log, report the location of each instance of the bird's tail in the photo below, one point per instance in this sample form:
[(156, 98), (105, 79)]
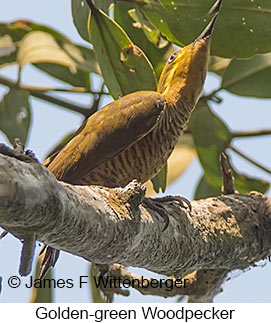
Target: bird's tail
[(49, 260)]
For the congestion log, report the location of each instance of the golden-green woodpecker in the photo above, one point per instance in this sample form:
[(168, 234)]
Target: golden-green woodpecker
[(132, 137)]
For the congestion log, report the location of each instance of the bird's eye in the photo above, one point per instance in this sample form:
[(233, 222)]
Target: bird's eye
[(172, 57)]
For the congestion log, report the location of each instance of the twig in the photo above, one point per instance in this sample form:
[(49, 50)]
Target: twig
[(74, 89), (26, 156), (48, 98), (253, 133), (208, 283), (212, 95), (97, 99), (228, 179), (27, 254), (252, 161), (202, 285), (55, 89)]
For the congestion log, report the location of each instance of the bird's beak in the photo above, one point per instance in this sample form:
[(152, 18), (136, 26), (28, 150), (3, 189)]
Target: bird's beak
[(184, 78), (208, 31)]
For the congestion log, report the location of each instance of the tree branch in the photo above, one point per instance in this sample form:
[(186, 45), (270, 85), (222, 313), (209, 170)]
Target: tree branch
[(252, 161), (46, 97), (108, 226), (227, 176), (74, 89)]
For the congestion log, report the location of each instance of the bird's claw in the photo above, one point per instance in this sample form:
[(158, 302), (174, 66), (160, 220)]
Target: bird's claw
[(152, 204), (182, 201)]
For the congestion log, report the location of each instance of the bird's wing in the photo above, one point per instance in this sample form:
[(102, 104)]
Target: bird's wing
[(106, 133)]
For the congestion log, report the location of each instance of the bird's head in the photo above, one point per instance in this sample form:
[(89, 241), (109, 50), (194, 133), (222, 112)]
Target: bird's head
[(184, 73)]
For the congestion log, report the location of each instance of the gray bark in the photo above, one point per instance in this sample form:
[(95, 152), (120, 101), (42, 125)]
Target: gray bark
[(108, 226)]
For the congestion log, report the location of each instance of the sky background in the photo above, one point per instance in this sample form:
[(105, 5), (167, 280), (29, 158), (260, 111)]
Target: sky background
[(51, 123)]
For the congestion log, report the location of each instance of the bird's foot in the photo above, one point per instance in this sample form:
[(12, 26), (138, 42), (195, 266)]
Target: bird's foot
[(103, 269), (155, 204), (182, 201), (157, 207), (104, 275)]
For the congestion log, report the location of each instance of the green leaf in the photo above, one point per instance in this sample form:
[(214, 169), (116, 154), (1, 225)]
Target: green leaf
[(181, 157), (154, 52), (211, 137), (152, 33), (245, 184), (32, 43), (249, 77), (15, 30), (103, 4), (124, 66), (11, 34), (57, 57), (7, 50), (204, 189), (160, 180), (218, 65), (242, 30), (161, 17), (39, 46), (80, 78), (15, 115), (31, 26), (88, 64), (96, 293), (45, 294), (19, 28), (80, 15)]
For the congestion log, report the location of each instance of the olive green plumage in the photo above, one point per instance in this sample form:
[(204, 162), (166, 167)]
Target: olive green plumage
[(132, 137)]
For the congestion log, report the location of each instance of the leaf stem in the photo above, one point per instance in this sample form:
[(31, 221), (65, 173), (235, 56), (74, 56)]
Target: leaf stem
[(252, 161), (212, 94)]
